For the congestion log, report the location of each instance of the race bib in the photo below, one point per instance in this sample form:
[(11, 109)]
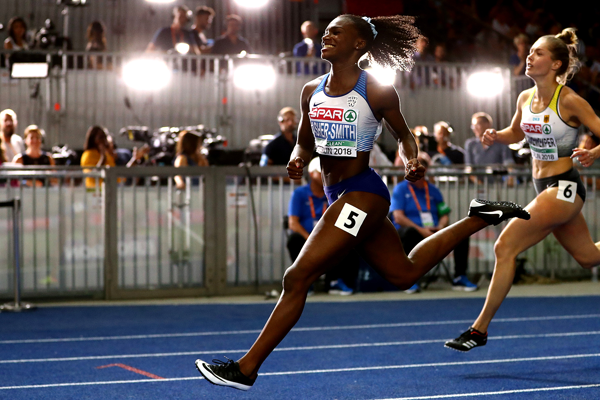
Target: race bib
[(427, 220), (350, 219), (567, 191), (335, 130), (541, 141)]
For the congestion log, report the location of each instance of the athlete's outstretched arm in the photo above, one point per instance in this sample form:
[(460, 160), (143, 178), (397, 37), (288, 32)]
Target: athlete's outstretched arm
[(305, 142), (511, 134), (387, 104), (581, 109)]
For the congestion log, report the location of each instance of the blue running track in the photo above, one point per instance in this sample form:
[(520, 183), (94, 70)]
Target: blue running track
[(539, 348)]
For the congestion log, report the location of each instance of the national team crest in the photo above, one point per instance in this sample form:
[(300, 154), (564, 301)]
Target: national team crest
[(546, 119), (352, 101)]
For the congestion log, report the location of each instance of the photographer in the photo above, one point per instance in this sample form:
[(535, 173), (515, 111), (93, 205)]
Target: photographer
[(189, 147), (97, 153)]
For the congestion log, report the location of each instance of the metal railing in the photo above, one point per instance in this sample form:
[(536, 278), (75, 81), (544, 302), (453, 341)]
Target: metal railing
[(133, 234)]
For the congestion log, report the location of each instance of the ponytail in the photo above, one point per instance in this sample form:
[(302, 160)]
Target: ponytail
[(393, 45), (564, 49)]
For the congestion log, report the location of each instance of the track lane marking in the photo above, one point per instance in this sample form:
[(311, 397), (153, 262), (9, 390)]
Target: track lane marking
[(477, 394), (297, 348), (305, 329), (323, 371)]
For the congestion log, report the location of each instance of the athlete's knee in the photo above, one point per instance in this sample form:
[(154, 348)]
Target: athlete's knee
[(587, 262), (503, 250), (295, 278)]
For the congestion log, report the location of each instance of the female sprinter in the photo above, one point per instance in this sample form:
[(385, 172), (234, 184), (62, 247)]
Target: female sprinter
[(548, 115), (342, 114)]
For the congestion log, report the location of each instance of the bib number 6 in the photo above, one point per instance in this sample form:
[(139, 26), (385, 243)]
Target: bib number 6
[(350, 219), (566, 191)]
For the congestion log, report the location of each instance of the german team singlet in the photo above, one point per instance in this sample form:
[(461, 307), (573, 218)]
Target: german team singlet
[(343, 125), (548, 135)]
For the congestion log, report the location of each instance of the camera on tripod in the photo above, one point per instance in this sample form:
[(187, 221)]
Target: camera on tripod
[(163, 142)]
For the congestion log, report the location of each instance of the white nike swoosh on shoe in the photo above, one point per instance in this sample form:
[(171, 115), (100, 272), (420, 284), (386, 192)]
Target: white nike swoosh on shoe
[(492, 212)]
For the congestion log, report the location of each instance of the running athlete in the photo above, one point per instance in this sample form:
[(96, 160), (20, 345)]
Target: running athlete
[(548, 115), (342, 113)]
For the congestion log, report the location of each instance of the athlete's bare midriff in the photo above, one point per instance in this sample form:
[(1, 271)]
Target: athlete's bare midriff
[(336, 169), (545, 169)]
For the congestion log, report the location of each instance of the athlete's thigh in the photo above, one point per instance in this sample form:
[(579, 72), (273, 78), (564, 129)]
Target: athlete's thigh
[(384, 252), (328, 244), (575, 237), (547, 212)]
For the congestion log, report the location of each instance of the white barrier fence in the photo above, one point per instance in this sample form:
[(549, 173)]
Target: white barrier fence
[(133, 235)]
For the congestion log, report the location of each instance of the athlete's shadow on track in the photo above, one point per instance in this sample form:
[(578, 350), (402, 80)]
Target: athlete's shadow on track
[(533, 376)]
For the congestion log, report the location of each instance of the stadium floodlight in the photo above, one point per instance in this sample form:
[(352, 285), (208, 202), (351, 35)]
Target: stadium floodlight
[(254, 77), (385, 76), (182, 48), (251, 3), (485, 84), (146, 74)]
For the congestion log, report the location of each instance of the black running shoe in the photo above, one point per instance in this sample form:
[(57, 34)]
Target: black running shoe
[(494, 212), (470, 339), (225, 374)]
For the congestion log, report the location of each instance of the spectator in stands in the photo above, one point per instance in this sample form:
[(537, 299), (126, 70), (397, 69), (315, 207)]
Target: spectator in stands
[(17, 30), (203, 17), (34, 155), (189, 154), (477, 153), (126, 157), (231, 42), (309, 47), (445, 153), (13, 143), (518, 60), (95, 152), (418, 211), (279, 150), (588, 141), (96, 42), (422, 54), (168, 38), (307, 205)]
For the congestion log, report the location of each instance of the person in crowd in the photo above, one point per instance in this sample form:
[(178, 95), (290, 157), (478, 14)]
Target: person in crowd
[(231, 42), (518, 59), (34, 155), (418, 210), (309, 47), (589, 141), (203, 18), (422, 54), (96, 43), (548, 116), (125, 157), (13, 143), (307, 205), (476, 153), (445, 153), (17, 31), (421, 76), (167, 39), (278, 150), (359, 201), (189, 154)]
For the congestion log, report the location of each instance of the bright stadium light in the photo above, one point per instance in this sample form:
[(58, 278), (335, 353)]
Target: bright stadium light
[(485, 83), (182, 48), (385, 76), (254, 77), (146, 74), (251, 3)]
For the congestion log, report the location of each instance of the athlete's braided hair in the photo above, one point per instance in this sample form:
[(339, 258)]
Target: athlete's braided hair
[(564, 48), (394, 45)]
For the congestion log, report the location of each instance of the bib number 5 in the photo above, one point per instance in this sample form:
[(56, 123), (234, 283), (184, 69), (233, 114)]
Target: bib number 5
[(350, 219), (566, 191)]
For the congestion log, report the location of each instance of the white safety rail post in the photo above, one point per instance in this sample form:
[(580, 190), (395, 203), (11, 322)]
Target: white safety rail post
[(17, 305)]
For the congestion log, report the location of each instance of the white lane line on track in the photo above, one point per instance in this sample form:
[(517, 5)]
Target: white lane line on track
[(449, 396), (299, 348), (323, 371), (306, 329)]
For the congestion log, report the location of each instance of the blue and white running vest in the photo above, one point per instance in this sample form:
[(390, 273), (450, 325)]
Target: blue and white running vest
[(548, 135), (343, 125)]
